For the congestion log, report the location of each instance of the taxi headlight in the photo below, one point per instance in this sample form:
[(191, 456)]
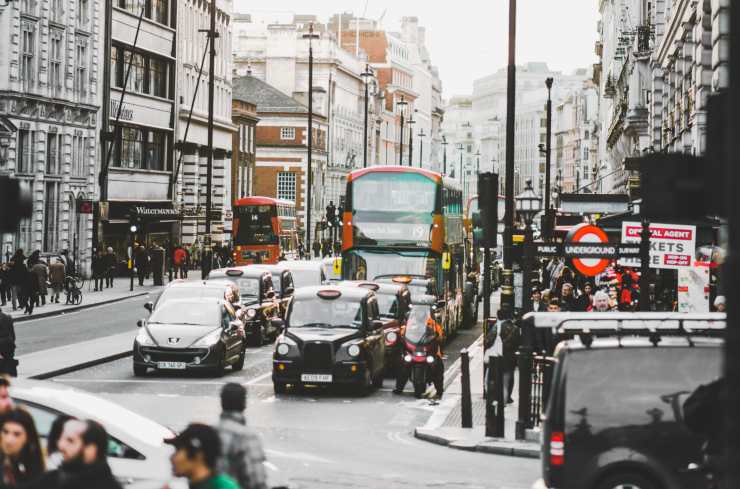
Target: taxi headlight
[(430, 359), (407, 358), (282, 349), (251, 313), (391, 337), (143, 338), (210, 339), (353, 350)]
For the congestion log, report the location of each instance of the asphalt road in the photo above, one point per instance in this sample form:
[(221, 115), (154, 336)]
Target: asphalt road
[(65, 329), (316, 438)]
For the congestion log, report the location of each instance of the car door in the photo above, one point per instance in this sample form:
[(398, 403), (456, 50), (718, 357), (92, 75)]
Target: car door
[(288, 288), (230, 337)]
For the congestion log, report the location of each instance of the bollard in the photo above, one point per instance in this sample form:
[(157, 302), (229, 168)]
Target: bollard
[(524, 420), (133, 272), (465, 403), (495, 398)]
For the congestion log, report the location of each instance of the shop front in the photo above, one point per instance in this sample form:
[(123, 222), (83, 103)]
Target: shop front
[(157, 223)]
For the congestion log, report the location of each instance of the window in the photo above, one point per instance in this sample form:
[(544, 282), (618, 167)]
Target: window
[(25, 151), (55, 61), (287, 133), (159, 11), (28, 7), (130, 147), (157, 77), (53, 152), (286, 186), (79, 144), (81, 67), (57, 10), (136, 75), (141, 149), (156, 10), (83, 13), (115, 62), (28, 50), (155, 150), (51, 218)]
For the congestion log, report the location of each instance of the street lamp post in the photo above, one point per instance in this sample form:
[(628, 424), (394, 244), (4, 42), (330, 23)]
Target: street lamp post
[(461, 177), (548, 84), (422, 135), (528, 204), (444, 158), (309, 179), (401, 103), (411, 123), (366, 76), (477, 163)]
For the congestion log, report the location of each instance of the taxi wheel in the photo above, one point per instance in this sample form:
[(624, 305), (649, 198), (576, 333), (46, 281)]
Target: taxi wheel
[(378, 380), (239, 365), (220, 369), (139, 370), (280, 387), (258, 339)]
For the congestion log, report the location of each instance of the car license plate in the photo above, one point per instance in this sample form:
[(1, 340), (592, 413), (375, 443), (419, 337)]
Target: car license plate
[(171, 365), (324, 378)]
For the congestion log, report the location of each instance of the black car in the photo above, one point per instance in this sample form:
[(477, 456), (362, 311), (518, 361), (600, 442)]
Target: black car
[(616, 414), (282, 282), (257, 297), (393, 301), (189, 334), (333, 335)]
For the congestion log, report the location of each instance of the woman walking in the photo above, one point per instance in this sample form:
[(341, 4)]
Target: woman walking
[(21, 457)]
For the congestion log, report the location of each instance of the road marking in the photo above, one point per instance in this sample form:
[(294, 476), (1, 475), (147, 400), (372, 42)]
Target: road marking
[(305, 457), (141, 381), (259, 378), (270, 466)]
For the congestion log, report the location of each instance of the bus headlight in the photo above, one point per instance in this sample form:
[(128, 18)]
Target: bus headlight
[(353, 350)]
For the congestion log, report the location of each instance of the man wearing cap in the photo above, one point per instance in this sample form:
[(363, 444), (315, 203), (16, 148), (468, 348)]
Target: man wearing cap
[(197, 450), (242, 456)]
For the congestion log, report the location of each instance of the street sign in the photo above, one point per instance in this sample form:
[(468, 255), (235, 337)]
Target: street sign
[(446, 261), (337, 266), (547, 249), (672, 246), (583, 251), (588, 234)]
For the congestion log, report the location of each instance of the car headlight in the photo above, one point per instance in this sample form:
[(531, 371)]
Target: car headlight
[(251, 313), (391, 337), (430, 359), (282, 349), (210, 339), (143, 338), (407, 358), (353, 350)]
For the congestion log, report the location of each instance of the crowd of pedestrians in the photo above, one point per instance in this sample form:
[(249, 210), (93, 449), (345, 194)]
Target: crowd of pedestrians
[(226, 456)]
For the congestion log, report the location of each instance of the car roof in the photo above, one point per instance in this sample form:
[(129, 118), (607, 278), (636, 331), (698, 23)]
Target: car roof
[(117, 420), (576, 344), (379, 288), (182, 284), (248, 271), (302, 265), (196, 300), (415, 279), (353, 293), (273, 269)]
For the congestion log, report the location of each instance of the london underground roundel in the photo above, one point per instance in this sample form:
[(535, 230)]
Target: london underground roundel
[(588, 233)]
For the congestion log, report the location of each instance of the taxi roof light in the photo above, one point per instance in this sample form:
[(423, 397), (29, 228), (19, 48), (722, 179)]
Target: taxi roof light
[(234, 272), (370, 285), (402, 279), (329, 294)]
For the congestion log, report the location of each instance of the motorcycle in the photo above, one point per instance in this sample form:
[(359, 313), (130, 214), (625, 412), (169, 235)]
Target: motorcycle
[(419, 349)]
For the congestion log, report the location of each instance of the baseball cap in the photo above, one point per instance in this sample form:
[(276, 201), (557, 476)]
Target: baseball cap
[(197, 437)]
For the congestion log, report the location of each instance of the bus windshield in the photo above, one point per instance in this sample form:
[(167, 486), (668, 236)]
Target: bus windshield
[(366, 265), (255, 225), (401, 193)]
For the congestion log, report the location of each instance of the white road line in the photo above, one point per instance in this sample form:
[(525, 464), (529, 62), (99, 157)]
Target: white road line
[(305, 457), (140, 381), (259, 378), (270, 466)]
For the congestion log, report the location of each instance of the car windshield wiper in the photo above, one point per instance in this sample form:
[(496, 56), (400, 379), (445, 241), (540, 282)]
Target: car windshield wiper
[(314, 325)]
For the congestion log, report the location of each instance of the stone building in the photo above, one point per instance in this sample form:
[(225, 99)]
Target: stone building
[(49, 100), (244, 147)]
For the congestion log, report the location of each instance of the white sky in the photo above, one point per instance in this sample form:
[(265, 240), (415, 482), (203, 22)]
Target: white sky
[(468, 38)]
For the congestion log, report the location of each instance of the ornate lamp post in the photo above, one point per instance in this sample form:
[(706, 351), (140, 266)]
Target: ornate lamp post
[(444, 146), (366, 75), (411, 123), (422, 135), (402, 104), (309, 179)]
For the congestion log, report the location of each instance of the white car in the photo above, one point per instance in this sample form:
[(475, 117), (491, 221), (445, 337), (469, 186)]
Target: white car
[(137, 454)]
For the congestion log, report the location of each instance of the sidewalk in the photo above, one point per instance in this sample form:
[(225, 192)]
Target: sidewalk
[(119, 291), (444, 426)]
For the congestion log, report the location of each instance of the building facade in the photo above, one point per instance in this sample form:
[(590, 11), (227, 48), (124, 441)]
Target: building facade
[(244, 147), (192, 132), (49, 100)]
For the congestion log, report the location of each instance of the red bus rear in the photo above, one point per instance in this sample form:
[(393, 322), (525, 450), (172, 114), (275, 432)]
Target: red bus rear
[(264, 228)]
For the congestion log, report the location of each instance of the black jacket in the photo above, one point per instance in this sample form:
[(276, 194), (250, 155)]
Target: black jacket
[(97, 476), (7, 336)]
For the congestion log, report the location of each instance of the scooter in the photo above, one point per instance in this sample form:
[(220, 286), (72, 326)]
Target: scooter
[(419, 361)]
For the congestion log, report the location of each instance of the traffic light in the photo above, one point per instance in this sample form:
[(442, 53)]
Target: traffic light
[(477, 223), (488, 205)]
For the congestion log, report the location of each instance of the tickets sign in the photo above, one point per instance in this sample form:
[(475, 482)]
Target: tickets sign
[(672, 246)]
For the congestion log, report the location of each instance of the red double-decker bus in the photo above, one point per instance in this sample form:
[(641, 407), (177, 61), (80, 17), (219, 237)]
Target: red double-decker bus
[(263, 229)]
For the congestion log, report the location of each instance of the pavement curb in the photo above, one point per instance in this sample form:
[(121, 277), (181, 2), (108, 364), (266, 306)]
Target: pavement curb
[(81, 366), (491, 445), (77, 308)]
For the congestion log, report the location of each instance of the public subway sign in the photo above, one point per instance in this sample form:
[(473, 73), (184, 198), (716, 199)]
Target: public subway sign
[(672, 246)]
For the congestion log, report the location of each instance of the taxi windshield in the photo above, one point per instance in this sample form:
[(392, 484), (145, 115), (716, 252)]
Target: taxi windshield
[(326, 313), (388, 305), (248, 287), (187, 313), (416, 325)]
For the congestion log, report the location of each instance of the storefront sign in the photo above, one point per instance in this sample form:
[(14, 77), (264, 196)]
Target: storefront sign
[(693, 289), (672, 246), (146, 210)]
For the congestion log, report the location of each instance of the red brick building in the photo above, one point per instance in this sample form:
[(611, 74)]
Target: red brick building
[(281, 140)]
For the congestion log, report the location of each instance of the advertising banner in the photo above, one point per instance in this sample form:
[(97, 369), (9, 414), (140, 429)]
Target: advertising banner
[(672, 246), (693, 289)]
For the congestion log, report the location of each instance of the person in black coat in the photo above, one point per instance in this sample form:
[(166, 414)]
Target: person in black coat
[(30, 290), (16, 275), (7, 345), (141, 262)]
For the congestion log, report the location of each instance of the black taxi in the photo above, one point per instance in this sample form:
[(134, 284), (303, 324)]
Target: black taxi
[(257, 297), (282, 281), (393, 301), (332, 335)]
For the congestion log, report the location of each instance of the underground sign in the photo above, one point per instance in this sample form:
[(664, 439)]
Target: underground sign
[(594, 237)]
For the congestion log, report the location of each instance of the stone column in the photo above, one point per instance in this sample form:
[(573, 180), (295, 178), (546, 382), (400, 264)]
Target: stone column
[(721, 44), (189, 192)]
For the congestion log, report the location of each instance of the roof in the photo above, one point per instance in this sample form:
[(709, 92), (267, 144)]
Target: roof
[(190, 284), (303, 265), (248, 271), (379, 288), (576, 344), (257, 200), (352, 293), (266, 97), (394, 169)]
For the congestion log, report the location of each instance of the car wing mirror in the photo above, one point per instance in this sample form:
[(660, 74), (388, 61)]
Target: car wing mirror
[(288, 291), (277, 323), (149, 306), (441, 304), (140, 323)]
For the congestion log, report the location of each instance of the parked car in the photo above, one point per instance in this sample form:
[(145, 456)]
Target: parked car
[(136, 452), (616, 417), (189, 334), (257, 296), (333, 335)]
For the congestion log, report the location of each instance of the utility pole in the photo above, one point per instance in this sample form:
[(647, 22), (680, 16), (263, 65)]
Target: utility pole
[(422, 135), (444, 146), (411, 123), (548, 84), (206, 260), (460, 177), (309, 166), (507, 287), (366, 75)]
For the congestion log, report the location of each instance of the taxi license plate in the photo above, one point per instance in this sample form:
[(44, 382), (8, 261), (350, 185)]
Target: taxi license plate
[(324, 378), (171, 365)]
